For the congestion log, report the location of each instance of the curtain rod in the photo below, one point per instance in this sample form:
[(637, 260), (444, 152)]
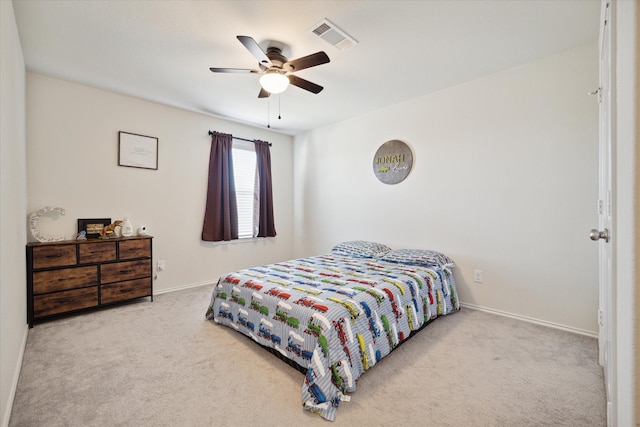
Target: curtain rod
[(241, 139)]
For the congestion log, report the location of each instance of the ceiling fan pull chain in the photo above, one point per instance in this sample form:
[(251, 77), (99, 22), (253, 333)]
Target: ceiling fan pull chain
[(268, 113), (279, 118)]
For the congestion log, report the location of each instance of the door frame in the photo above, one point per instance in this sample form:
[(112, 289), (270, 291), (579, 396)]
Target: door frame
[(625, 287)]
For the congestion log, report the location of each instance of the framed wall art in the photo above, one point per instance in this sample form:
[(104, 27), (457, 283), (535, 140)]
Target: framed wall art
[(137, 151), (92, 226)]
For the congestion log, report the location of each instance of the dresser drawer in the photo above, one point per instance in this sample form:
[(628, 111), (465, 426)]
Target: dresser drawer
[(62, 302), (54, 256), (97, 252), (66, 278), (122, 291), (135, 248), (126, 270)]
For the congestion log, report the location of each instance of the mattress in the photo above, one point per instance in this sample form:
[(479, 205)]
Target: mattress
[(336, 315)]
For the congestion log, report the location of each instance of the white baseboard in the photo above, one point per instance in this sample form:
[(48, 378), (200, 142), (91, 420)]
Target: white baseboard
[(14, 381), (183, 287), (531, 320)]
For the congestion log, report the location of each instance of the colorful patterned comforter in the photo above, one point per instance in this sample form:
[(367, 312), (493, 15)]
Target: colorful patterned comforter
[(334, 315)]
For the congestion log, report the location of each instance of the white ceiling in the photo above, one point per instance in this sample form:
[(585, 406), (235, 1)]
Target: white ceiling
[(162, 50)]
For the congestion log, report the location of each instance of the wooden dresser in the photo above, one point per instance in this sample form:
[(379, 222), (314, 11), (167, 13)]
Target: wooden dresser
[(68, 276)]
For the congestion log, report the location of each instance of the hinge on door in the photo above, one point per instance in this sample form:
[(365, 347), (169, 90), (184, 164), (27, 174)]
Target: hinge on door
[(600, 207), (601, 317), (599, 93)]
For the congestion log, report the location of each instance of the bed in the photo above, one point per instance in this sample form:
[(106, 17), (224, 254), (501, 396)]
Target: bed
[(336, 315)]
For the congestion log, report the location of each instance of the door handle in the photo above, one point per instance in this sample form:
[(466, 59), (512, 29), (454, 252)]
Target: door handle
[(596, 235)]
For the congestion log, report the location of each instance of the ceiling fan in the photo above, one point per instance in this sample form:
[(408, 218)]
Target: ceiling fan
[(277, 71)]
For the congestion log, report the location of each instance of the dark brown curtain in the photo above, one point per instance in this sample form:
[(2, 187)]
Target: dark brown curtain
[(221, 211), (266, 225)]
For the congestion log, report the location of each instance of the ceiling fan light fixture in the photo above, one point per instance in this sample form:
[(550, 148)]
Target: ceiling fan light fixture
[(274, 82)]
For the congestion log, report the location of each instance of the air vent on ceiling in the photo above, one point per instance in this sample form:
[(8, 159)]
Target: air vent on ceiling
[(328, 31)]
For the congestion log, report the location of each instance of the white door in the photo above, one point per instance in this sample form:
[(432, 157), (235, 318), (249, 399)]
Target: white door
[(604, 233)]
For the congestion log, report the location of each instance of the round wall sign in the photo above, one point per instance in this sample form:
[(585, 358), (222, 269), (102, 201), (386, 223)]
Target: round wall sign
[(392, 162)]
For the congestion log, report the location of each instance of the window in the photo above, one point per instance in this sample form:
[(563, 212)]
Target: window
[(238, 206), (244, 172)]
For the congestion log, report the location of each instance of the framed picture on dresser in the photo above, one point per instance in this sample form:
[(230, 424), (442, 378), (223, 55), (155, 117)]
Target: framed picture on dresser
[(92, 226)]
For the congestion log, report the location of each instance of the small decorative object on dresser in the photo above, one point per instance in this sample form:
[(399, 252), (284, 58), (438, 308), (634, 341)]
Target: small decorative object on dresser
[(92, 226), (142, 231), (74, 275), (109, 232), (34, 224), (127, 228)]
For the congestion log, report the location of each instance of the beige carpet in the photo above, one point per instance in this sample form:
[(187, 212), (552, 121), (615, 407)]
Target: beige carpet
[(161, 364)]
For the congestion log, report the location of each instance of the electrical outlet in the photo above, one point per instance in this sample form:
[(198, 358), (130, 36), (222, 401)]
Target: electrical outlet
[(477, 276), (161, 265)]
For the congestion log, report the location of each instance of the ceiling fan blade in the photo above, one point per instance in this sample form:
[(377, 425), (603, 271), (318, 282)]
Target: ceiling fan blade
[(304, 84), (233, 70), (255, 49), (263, 93), (308, 61)]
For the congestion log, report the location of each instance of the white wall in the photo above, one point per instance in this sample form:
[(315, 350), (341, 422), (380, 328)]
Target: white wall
[(72, 152), (504, 180), (13, 311)]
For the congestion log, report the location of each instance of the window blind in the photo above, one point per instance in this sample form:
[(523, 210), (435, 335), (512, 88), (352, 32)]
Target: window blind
[(244, 171)]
